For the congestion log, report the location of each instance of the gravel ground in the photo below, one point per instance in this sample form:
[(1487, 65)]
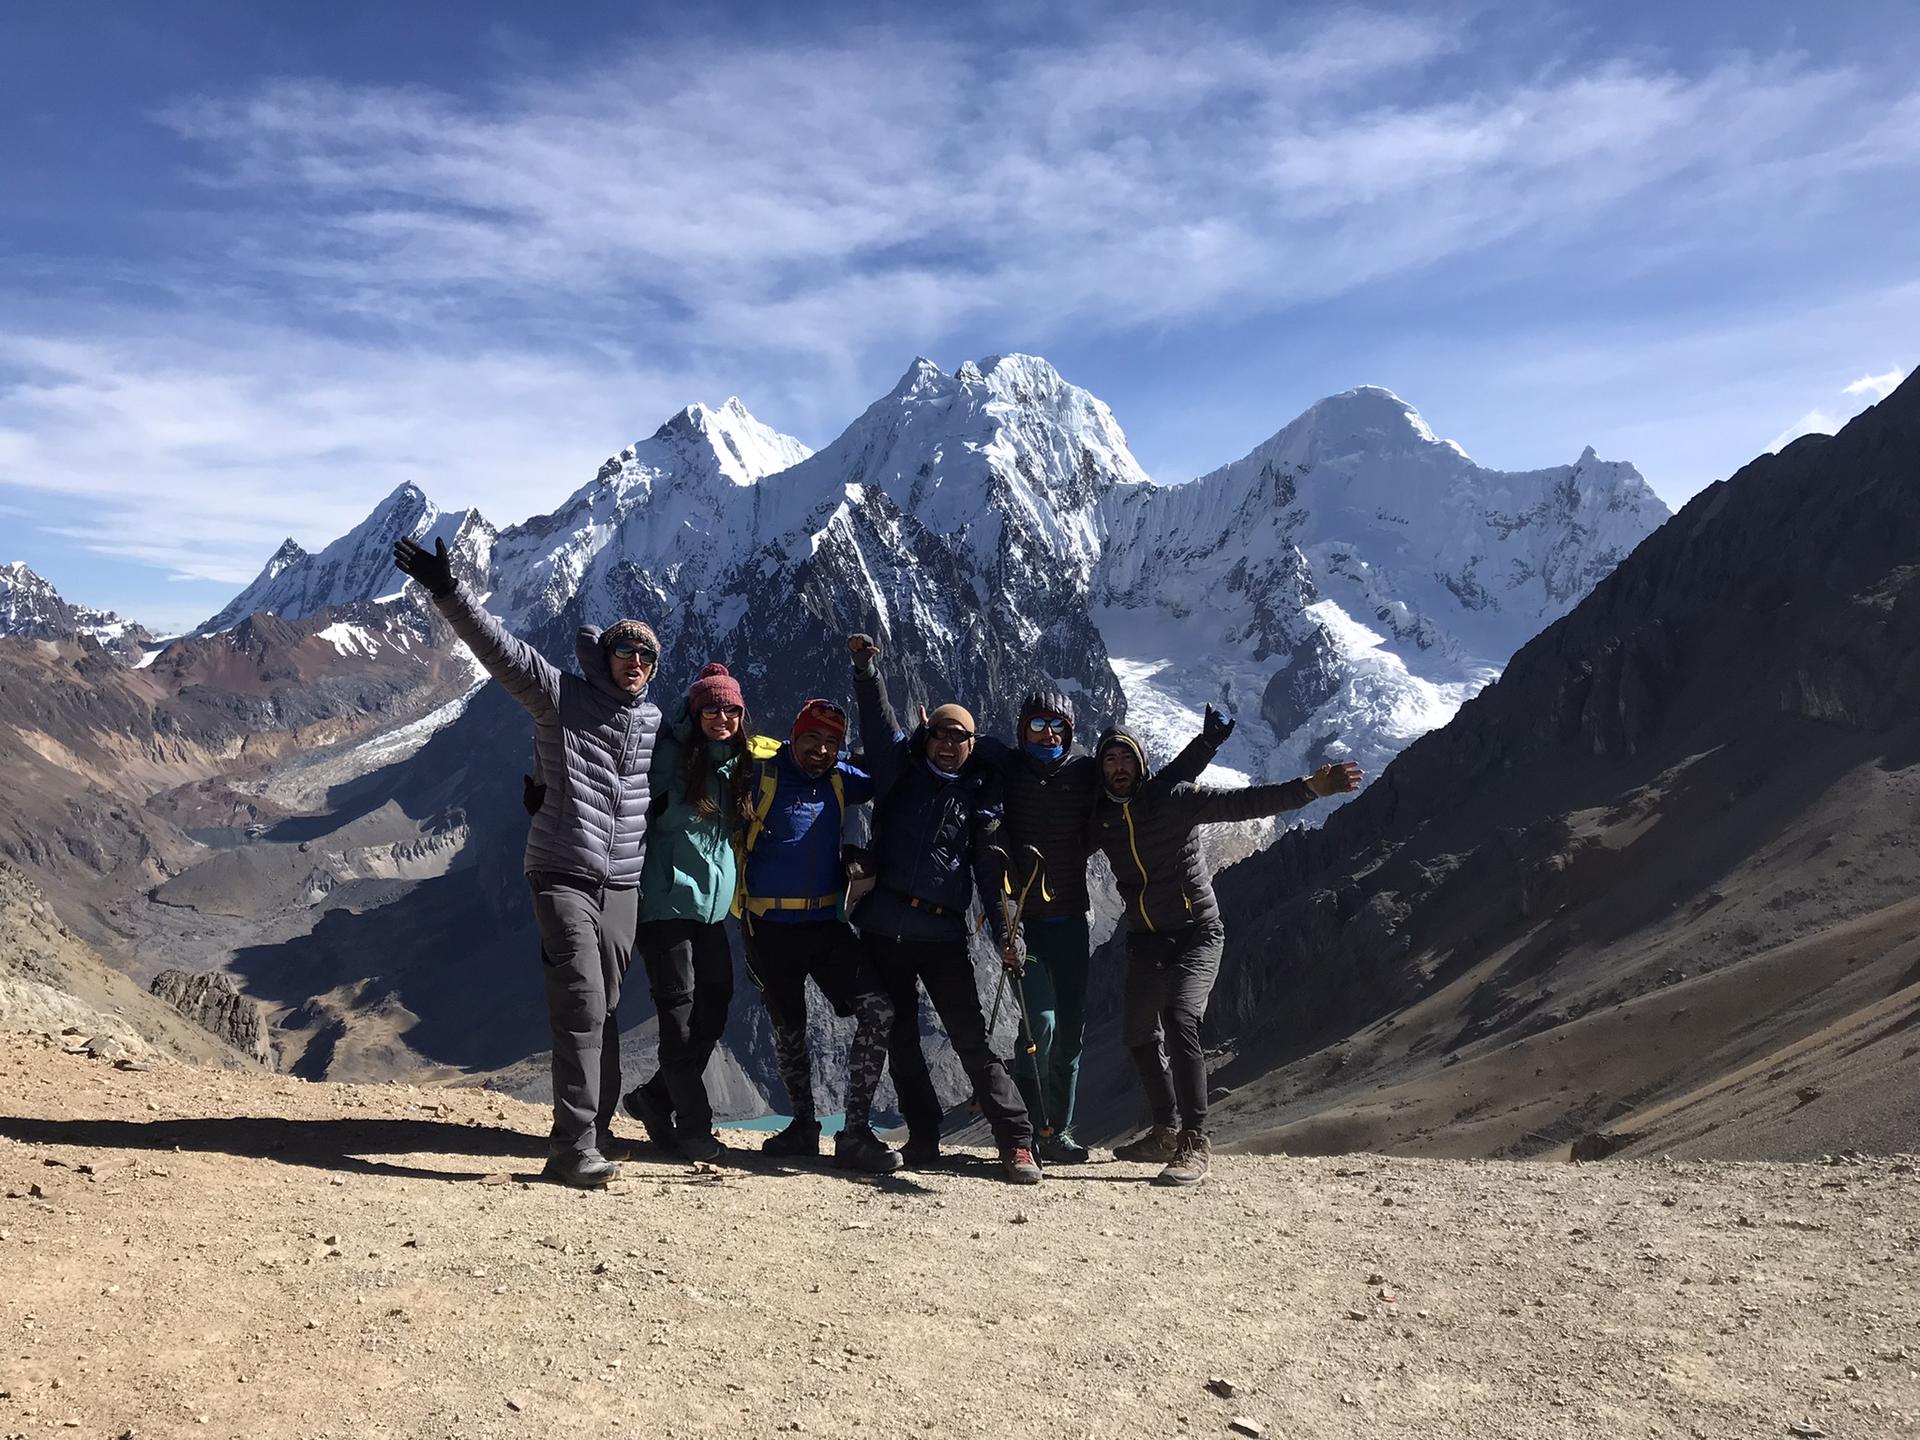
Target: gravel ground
[(192, 1252)]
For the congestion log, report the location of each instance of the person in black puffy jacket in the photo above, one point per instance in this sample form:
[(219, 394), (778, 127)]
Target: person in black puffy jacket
[(1149, 830), (1050, 785), (936, 814)]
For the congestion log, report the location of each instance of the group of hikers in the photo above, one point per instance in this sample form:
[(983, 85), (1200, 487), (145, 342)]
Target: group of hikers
[(648, 831)]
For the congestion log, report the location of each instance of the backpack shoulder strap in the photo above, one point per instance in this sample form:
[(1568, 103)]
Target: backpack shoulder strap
[(768, 780)]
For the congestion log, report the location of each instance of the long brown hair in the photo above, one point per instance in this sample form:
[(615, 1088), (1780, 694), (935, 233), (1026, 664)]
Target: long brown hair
[(697, 766)]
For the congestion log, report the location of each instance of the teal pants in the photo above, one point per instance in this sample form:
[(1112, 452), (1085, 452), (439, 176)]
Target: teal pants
[(1056, 987)]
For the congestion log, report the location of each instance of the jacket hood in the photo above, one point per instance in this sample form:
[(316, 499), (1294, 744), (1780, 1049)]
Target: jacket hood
[(1120, 735), (592, 659), (1045, 700)]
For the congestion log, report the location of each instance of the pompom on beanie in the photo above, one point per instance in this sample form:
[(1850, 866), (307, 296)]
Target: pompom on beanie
[(714, 687)]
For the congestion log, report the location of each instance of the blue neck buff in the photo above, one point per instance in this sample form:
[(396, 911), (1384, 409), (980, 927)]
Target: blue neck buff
[(927, 760), (1046, 754)]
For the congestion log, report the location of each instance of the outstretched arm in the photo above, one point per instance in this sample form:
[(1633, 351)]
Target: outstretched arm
[(881, 738), (523, 670), (1208, 805)]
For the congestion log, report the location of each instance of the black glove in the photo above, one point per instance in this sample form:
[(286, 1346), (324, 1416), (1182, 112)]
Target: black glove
[(532, 794), (1215, 727), (430, 567), (864, 653)]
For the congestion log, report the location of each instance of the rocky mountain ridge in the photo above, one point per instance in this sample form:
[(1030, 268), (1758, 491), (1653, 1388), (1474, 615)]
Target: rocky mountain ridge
[(32, 609), (1696, 796)]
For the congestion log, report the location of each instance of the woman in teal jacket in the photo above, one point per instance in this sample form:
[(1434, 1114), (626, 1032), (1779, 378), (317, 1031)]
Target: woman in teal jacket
[(687, 885)]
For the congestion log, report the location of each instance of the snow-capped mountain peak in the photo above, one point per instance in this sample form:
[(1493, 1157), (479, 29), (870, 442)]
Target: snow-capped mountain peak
[(667, 507), (30, 607), (359, 565)]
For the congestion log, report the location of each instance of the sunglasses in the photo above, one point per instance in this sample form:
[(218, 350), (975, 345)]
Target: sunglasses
[(627, 652), (714, 712), (1040, 724), (951, 733)]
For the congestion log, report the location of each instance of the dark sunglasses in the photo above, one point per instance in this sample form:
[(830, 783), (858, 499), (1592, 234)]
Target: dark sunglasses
[(1040, 724), (714, 712), (951, 733), (627, 652)]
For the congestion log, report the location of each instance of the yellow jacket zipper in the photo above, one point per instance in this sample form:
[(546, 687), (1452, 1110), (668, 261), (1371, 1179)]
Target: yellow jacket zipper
[(1126, 811)]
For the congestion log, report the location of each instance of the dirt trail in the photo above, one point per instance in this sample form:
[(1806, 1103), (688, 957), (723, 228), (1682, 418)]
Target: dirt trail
[(196, 1253)]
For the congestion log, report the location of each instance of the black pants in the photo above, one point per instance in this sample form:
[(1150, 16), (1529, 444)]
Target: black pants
[(780, 957), (1170, 976), (943, 967), (586, 943), (690, 969)]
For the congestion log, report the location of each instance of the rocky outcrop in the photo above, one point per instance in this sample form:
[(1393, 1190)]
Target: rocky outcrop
[(214, 1002), (53, 983)]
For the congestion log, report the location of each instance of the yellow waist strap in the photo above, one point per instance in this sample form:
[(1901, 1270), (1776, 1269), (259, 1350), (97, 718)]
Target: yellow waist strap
[(761, 904)]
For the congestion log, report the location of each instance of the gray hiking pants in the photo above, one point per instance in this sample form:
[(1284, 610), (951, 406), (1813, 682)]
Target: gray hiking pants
[(586, 944), (1170, 977)]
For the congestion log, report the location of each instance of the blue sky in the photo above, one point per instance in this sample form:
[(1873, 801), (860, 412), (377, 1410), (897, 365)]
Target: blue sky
[(261, 263)]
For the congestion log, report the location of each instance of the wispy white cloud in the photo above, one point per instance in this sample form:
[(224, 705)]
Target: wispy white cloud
[(199, 461), (1829, 416), (487, 296), (1876, 387)]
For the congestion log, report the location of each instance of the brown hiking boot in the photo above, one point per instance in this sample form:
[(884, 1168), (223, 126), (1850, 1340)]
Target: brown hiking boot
[(1156, 1147), (1190, 1166), (1019, 1166)]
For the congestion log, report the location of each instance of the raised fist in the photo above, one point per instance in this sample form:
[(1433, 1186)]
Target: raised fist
[(864, 652), (1215, 727)]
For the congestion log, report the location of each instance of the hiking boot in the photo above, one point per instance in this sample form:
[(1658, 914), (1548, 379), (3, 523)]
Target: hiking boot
[(702, 1147), (656, 1119), (1019, 1166), (1157, 1147), (610, 1145), (919, 1154), (1063, 1149), (800, 1140), (1190, 1166), (865, 1151), (582, 1169)]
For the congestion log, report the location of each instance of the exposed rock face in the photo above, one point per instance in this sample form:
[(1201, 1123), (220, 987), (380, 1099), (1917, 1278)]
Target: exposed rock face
[(53, 983), (1715, 754), (214, 1002)]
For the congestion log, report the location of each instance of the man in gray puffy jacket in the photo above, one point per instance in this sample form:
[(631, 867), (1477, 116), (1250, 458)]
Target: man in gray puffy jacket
[(593, 738), (1149, 830)]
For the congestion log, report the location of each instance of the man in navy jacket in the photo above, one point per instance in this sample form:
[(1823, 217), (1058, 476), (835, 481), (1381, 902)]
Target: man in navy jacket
[(937, 813)]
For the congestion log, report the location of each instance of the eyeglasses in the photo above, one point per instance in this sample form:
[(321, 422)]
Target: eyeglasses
[(714, 712), (627, 652), (951, 733), (1040, 724)]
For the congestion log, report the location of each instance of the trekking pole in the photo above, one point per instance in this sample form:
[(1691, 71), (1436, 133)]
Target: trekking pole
[(1036, 864), (1033, 1055)]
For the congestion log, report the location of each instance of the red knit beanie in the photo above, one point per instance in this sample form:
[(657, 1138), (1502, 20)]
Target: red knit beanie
[(821, 715), (714, 687)]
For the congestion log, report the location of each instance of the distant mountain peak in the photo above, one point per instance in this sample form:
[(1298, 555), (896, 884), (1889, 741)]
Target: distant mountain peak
[(296, 583), (31, 608)]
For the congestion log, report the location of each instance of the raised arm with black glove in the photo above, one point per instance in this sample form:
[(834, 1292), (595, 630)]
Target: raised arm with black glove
[(432, 568)]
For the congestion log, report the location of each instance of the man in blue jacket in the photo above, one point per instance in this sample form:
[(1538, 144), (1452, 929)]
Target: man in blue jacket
[(791, 915), (936, 815)]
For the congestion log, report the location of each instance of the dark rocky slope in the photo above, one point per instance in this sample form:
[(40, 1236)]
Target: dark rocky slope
[(1707, 766)]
